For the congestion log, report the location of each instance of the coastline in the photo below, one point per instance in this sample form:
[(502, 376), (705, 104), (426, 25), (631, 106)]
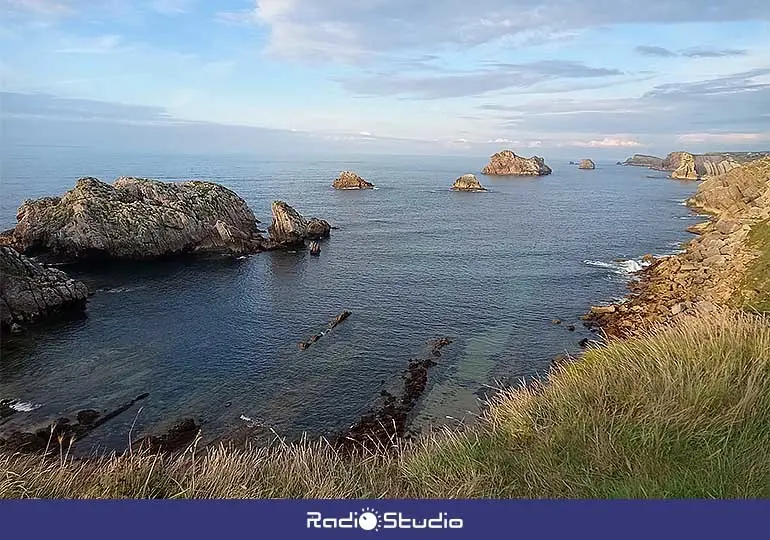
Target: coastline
[(710, 274)]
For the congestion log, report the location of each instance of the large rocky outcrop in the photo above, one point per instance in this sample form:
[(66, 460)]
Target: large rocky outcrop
[(643, 160), (686, 168), (709, 274), (586, 164), (135, 218), (30, 292), (468, 182), (350, 180), (506, 163), (290, 228)]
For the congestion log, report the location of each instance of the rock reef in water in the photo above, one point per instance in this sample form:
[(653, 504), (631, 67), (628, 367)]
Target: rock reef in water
[(643, 160), (350, 180), (30, 292), (506, 163), (586, 164), (289, 228), (468, 182), (135, 218)]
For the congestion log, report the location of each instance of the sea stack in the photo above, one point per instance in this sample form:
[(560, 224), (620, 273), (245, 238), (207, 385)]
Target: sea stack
[(350, 180), (506, 163), (686, 169), (289, 228), (135, 218), (586, 164), (468, 182)]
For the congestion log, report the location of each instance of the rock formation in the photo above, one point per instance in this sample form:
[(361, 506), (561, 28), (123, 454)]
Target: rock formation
[(506, 163), (350, 180), (686, 168), (135, 218), (710, 273), (586, 164), (290, 228), (468, 182), (643, 160), (30, 292)]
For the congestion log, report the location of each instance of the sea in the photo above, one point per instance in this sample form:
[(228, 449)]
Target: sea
[(217, 340)]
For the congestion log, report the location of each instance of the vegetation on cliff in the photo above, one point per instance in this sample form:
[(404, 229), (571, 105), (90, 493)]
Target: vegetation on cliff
[(679, 412)]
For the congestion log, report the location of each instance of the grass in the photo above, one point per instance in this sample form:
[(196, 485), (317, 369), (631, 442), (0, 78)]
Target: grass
[(681, 411), (757, 280)]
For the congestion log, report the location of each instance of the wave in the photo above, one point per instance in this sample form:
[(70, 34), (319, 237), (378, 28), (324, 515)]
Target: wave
[(23, 406), (622, 268), (118, 290)]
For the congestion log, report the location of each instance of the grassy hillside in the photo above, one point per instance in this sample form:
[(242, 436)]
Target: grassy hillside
[(681, 412), (757, 280)]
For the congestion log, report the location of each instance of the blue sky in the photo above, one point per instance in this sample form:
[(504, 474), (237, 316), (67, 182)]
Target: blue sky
[(588, 77)]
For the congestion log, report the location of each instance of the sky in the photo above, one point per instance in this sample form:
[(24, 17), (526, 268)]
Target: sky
[(582, 78)]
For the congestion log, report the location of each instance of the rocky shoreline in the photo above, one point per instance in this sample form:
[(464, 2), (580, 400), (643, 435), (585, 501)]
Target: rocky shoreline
[(709, 275)]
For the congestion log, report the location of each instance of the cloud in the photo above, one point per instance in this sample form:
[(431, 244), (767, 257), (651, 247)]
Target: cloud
[(497, 76), (354, 31), (38, 7), (171, 7), (722, 138), (607, 142), (99, 45), (730, 110), (661, 52)]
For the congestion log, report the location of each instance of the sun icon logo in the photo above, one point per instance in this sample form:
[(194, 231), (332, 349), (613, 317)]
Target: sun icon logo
[(369, 520)]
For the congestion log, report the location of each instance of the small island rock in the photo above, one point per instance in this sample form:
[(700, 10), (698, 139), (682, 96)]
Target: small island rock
[(586, 164), (350, 180), (468, 182), (135, 218), (506, 163), (289, 228)]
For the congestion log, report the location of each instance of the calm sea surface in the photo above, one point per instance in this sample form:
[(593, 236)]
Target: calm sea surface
[(412, 260)]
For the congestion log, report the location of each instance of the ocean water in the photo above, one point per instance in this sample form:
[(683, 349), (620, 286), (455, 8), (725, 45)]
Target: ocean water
[(412, 261)]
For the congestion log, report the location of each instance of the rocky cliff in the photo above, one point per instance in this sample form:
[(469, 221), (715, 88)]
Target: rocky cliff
[(468, 182), (506, 163), (711, 272), (350, 180), (290, 228), (685, 170), (30, 292), (586, 164), (135, 218), (643, 160)]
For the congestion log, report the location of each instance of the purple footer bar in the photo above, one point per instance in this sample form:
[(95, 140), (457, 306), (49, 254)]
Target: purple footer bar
[(616, 520)]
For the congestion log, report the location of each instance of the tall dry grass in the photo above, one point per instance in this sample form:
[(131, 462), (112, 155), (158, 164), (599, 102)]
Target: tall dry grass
[(682, 411)]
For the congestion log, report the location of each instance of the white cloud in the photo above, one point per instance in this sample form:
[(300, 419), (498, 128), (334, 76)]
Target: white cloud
[(607, 142), (718, 138)]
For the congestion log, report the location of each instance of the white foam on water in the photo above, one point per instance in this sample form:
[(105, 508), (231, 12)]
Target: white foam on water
[(245, 418), (621, 268), (23, 406), (119, 290)]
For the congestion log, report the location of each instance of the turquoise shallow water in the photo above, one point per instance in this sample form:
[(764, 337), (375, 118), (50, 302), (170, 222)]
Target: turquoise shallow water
[(412, 260)]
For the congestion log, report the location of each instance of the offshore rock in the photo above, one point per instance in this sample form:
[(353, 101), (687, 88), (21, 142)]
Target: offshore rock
[(289, 228), (468, 182), (586, 164), (30, 292), (506, 163), (350, 180), (135, 218), (686, 169)]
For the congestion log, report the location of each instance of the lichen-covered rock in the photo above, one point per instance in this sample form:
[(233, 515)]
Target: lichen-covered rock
[(506, 163), (686, 169), (468, 182), (136, 218), (30, 292), (290, 228), (586, 164), (350, 180)]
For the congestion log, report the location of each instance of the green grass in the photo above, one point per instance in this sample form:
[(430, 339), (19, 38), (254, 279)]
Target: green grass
[(757, 280), (683, 411)]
